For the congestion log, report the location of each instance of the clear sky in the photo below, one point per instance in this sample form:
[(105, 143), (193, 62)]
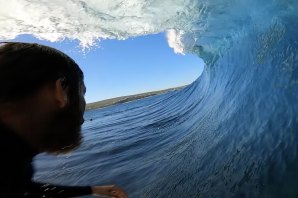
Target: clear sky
[(118, 68)]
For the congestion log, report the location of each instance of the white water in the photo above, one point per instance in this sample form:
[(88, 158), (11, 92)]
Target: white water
[(91, 20)]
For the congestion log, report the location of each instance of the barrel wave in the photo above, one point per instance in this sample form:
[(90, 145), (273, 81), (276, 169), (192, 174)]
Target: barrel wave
[(231, 133)]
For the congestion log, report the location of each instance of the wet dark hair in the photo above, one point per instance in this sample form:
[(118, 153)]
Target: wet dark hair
[(27, 67)]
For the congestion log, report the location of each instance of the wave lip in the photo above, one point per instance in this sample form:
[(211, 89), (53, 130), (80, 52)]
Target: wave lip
[(89, 20)]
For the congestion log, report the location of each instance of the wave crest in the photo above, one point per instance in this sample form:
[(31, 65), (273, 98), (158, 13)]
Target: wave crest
[(91, 20)]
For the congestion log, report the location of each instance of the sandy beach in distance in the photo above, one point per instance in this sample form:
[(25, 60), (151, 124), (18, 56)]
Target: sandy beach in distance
[(123, 99)]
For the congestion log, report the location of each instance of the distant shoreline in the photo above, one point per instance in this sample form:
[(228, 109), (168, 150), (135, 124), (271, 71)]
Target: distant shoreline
[(124, 99)]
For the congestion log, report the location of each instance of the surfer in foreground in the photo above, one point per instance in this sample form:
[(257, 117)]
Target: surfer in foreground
[(41, 110)]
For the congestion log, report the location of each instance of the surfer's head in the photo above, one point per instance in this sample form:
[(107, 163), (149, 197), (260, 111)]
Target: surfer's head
[(41, 96)]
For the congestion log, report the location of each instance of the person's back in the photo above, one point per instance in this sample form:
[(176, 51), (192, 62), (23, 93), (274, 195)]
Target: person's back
[(41, 110)]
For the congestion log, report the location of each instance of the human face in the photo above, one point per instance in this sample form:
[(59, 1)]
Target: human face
[(82, 101), (63, 132)]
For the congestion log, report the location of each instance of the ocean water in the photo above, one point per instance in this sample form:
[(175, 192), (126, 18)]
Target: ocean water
[(231, 133)]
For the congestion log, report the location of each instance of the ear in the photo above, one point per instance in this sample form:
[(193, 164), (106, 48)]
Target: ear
[(60, 94)]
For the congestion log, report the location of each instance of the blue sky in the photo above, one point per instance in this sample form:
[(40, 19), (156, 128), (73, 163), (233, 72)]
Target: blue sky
[(125, 67)]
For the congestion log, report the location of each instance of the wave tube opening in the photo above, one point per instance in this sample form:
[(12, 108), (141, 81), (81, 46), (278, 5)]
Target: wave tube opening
[(231, 133)]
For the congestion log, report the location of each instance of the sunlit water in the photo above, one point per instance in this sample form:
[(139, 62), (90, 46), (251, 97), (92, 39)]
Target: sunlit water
[(232, 133)]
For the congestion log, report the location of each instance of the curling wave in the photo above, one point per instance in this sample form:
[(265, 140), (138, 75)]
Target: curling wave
[(231, 133)]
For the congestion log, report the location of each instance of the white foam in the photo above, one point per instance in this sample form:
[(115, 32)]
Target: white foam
[(175, 41), (204, 27), (92, 20)]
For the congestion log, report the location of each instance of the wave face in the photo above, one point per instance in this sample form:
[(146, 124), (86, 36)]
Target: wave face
[(232, 133)]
